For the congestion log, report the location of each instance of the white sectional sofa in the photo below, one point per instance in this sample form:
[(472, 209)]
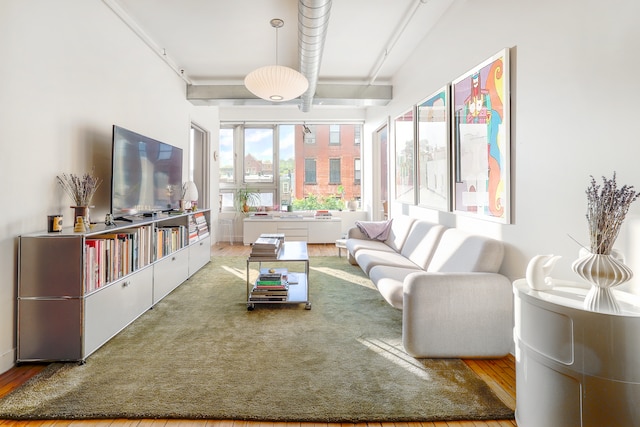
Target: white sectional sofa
[(446, 282)]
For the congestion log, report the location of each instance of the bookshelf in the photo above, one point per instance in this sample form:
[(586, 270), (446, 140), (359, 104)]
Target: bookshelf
[(78, 290)]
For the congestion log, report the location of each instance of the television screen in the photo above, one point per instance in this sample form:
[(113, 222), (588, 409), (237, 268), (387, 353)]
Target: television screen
[(146, 175)]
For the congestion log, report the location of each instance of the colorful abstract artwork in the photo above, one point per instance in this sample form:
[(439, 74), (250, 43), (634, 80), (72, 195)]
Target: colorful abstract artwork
[(481, 140)]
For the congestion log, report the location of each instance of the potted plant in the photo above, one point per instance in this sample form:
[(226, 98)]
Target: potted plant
[(245, 198)]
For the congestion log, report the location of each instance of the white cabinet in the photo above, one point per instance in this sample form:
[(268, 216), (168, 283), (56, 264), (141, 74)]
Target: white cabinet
[(575, 367), (77, 290), (199, 254), (169, 273), (111, 309), (301, 229)]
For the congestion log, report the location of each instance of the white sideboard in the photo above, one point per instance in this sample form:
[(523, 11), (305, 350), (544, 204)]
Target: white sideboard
[(305, 229), (575, 367)]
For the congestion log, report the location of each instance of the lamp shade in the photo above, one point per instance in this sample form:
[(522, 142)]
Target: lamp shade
[(190, 191), (276, 83)]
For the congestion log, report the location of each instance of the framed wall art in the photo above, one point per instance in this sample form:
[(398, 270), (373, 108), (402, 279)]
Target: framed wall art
[(404, 157), (432, 118), (481, 140)]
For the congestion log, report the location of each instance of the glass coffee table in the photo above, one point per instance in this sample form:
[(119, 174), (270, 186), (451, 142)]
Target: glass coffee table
[(297, 282)]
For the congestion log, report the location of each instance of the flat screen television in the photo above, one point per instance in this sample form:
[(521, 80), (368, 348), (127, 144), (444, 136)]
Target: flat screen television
[(146, 175)]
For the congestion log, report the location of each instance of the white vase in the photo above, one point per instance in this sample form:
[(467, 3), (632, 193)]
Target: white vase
[(603, 272)]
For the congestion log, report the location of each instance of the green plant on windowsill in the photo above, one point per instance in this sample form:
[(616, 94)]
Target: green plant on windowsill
[(245, 198)]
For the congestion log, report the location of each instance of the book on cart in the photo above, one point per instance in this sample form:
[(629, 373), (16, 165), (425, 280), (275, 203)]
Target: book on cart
[(271, 285), (279, 236), (266, 247)]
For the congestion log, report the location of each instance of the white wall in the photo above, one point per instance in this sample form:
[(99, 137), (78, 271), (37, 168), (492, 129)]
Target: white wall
[(574, 86), (70, 70)]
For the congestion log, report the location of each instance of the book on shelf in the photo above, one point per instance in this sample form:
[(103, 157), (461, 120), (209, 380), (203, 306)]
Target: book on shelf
[(110, 256), (201, 225)]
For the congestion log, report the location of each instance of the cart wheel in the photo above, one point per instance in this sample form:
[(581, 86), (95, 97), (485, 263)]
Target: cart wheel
[(250, 307), (307, 306)]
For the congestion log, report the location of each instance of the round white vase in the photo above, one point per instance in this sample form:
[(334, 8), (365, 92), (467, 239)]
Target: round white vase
[(603, 272)]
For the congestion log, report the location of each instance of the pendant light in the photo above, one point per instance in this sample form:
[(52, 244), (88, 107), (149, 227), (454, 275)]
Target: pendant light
[(275, 82)]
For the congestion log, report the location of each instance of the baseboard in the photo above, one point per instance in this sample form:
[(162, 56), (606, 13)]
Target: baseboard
[(7, 360)]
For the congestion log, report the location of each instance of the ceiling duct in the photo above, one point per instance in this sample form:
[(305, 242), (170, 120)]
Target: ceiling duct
[(313, 20)]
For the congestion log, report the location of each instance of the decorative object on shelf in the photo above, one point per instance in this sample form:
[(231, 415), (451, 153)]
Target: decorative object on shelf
[(54, 223), (81, 189), (81, 211), (275, 82), (245, 198), (189, 196), (108, 220), (538, 271), (80, 225), (607, 207)]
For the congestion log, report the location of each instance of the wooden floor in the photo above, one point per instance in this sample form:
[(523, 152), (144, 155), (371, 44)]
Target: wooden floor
[(499, 374)]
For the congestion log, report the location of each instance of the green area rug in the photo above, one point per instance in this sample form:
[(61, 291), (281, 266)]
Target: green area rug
[(201, 354)]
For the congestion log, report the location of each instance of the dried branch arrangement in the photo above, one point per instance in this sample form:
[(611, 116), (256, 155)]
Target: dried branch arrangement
[(80, 188), (607, 207)]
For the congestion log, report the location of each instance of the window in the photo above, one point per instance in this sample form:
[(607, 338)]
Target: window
[(290, 164), (227, 167), (357, 171), (258, 155), (309, 171), (334, 134), (334, 171), (357, 137)]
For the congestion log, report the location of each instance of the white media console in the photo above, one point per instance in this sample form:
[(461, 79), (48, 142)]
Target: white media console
[(294, 228)]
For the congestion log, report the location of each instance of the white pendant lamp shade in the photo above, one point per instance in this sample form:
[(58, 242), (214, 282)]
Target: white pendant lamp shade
[(276, 83)]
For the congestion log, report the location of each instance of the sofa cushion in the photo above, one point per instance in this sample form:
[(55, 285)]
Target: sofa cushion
[(369, 258), (389, 282), (458, 251), (400, 227), (421, 242), (354, 245)]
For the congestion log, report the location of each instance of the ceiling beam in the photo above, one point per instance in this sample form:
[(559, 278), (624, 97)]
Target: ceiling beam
[(326, 94)]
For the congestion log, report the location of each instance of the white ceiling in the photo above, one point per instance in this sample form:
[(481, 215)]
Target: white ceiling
[(220, 41)]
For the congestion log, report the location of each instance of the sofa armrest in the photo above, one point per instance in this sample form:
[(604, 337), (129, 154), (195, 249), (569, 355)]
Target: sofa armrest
[(356, 233), (457, 315)]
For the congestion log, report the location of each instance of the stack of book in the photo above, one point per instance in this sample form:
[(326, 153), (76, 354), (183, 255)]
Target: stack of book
[(323, 214), (279, 236), (198, 228), (271, 285), (266, 247)]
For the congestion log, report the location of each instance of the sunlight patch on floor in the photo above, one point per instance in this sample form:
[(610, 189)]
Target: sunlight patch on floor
[(358, 280), (235, 271), (394, 354)]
